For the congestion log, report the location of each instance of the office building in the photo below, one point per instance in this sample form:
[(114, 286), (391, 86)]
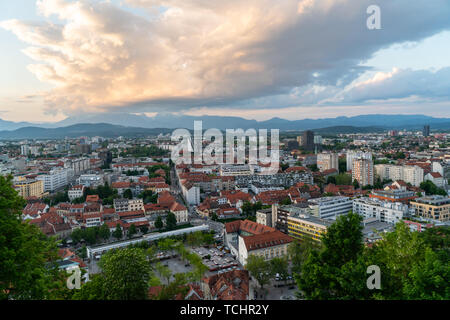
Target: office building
[(329, 207), (352, 155), (432, 207), (327, 161), (426, 131), (363, 172), (308, 140), (384, 211)]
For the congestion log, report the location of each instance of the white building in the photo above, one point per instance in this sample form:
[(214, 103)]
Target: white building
[(329, 207), (56, 179), (76, 192), (384, 211), (326, 161), (90, 180), (436, 178), (191, 193), (352, 155), (410, 174)]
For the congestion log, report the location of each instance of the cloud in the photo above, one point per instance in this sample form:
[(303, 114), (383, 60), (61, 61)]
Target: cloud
[(197, 53)]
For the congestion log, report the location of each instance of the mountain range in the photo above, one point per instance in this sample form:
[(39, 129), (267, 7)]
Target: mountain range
[(172, 121), (125, 124)]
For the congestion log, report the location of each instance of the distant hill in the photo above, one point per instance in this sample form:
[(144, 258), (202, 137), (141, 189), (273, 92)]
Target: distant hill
[(87, 129), (347, 129), (172, 121)]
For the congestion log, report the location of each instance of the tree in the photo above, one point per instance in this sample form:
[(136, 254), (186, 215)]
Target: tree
[(91, 290), (171, 221), (331, 179), (431, 189), (104, 232), (118, 234), (429, 278), (356, 184), (279, 266), (132, 230), (286, 201), (247, 208), (126, 274), (27, 257), (144, 229), (128, 194), (321, 274), (164, 272), (159, 223), (214, 217), (260, 269), (298, 252)]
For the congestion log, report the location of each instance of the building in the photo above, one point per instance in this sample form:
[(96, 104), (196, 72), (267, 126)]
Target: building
[(235, 170), (329, 207), (393, 195), (30, 188), (426, 131), (121, 205), (306, 226), (245, 238), (353, 155), (327, 161), (384, 211), (363, 172), (232, 285), (410, 174), (308, 140), (436, 178), (27, 150), (264, 217), (135, 205), (56, 179), (90, 180), (76, 192), (432, 207)]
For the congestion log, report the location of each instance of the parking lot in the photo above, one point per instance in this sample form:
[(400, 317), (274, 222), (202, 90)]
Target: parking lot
[(218, 260)]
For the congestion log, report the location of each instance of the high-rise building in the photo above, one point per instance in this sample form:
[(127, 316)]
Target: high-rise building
[(308, 140), (426, 131), (326, 161), (410, 174), (352, 155), (363, 172)]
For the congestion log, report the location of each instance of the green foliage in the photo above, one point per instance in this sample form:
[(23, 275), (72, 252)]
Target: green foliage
[(104, 232), (118, 233), (126, 274), (149, 196), (27, 257), (159, 223), (321, 272), (431, 189), (260, 269), (128, 194), (141, 152), (171, 221), (343, 179), (132, 230), (313, 167)]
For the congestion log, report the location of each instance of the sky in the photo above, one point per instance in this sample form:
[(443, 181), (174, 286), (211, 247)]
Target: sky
[(257, 59)]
